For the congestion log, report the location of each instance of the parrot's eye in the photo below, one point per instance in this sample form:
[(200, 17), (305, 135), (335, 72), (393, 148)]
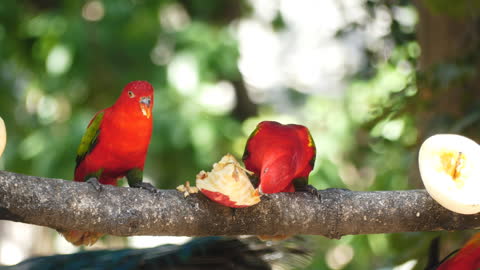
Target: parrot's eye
[(131, 94)]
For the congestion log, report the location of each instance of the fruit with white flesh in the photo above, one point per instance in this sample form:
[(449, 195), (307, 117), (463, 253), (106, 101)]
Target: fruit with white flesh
[(3, 136), (228, 184), (450, 170)]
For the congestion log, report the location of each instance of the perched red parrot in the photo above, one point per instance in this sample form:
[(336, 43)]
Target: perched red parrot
[(115, 145), (279, 154), (467, 258)]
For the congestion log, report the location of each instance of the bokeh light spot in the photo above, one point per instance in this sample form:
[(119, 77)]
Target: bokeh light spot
[(93, 11), (183, 74), (339, 256), (218, 98), (59, 60), (173, 17)]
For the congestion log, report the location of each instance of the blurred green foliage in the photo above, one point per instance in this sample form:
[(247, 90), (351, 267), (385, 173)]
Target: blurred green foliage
[(461, 8), (58, 69), (61, 61)]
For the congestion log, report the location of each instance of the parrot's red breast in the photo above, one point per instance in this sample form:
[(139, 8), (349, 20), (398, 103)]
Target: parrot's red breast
[(115, 145), (279, 154), (122, 136), (468, 258)]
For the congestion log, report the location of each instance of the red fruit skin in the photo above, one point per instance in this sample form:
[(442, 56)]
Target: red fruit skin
[(221, 199), (279, 154), (468, 258), (123, 138)]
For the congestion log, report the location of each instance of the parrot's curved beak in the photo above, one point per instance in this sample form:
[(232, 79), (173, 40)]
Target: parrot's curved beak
[(146, 106)]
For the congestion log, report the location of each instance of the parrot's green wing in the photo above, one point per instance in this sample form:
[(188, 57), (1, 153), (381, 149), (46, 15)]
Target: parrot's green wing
[(90, 138)]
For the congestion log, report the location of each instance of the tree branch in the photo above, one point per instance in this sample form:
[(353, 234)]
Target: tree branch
[(127, 211)]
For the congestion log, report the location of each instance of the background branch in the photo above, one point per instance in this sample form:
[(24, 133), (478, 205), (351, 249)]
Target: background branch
[(126, 211)]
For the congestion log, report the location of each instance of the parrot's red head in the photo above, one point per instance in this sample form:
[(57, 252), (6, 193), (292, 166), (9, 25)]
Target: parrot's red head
[(138, 95)]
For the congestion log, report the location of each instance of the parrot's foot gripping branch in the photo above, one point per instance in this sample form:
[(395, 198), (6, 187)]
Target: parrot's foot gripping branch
[(312, 190), (94, 182), (146, 186), (266, 196)]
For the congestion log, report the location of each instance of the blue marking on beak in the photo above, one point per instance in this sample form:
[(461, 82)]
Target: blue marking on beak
[(146, 100)]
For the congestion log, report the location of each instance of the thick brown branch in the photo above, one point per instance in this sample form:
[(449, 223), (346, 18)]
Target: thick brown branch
[(126, 211)]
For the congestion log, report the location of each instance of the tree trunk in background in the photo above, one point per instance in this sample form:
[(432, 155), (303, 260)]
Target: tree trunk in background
[(449, 102), (245, 108)]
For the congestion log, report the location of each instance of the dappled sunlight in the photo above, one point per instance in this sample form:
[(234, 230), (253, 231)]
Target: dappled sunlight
[(259, 56), (305, 54), (183, 74), (218, 98), (348, 70)]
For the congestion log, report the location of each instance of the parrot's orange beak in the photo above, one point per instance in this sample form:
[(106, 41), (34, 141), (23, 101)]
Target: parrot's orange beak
[(146, 106)]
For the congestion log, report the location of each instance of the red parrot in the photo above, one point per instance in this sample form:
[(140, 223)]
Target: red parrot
[(468, 258), (279, 154), (115, 145)]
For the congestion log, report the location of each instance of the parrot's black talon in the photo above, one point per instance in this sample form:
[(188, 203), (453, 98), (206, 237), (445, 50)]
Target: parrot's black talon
[(266, 197), (312, 190), (146, 186), (94, 182)]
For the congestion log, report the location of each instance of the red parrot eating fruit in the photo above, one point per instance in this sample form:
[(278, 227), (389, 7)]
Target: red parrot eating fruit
[(115, 145), (279, 155), (282, 157)]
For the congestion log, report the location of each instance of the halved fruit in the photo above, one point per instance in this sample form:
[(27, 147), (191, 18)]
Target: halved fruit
[(450, 169), (3, 136), (228, 184)]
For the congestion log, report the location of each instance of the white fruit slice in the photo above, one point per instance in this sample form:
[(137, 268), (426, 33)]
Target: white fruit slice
[(228, 184), (3, 136), (450, 169)]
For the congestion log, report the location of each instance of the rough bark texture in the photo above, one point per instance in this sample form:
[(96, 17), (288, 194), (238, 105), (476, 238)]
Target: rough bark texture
[(126, 211)]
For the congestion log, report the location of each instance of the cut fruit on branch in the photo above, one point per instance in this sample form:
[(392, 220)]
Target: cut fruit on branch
[(450, 169), (3, 136), (228, 184)]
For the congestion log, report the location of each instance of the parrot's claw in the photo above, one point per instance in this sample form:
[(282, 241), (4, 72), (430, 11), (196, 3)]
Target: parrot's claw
[(312, 190), (146, 186), (266, 196), (94, 182)]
